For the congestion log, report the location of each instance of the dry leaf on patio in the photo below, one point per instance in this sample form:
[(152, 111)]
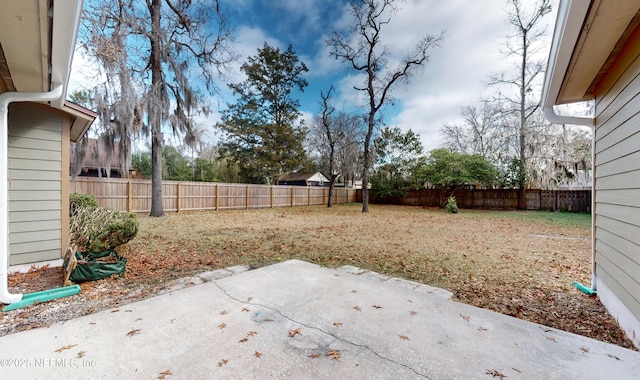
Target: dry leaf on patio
[(313, 356), (357, 308), (257, 354), (164, 374), (337, 324), (495, 373), (81, 354), (252, 333), (222, 362), (223, 312), (403, 337), (294, 332), (412, 313), (133, 332), (465, 317), (334, 354), (376, 306), (243, 340), (245, 309), (67, 347), (222, 325)]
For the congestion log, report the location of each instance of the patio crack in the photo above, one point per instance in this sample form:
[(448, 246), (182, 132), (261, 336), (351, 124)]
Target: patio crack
[(324, 332)]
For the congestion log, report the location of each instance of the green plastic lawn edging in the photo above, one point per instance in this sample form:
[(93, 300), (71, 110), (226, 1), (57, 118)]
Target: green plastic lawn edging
[(43, 296)]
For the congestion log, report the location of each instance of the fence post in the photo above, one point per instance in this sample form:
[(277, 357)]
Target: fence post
[(247, 198), (129, 196), (309, 196), (217, 197), (271, 195), (293, 195), (178, 199)]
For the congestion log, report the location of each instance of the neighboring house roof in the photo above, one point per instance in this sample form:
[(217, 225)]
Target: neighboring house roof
[(309, 177), (95, 156), (588, 42)]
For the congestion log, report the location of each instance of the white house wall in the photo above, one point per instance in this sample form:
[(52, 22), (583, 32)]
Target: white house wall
[(35, 184), (617, 195)]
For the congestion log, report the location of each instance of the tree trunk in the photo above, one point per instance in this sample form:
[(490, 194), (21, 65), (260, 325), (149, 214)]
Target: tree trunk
[(332, 177), (522, 131), (155, 118)]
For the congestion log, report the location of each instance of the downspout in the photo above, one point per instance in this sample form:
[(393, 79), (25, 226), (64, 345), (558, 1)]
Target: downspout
[(6, 99)]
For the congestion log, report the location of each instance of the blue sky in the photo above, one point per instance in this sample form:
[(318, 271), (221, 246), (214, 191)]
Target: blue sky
[(455, 75)]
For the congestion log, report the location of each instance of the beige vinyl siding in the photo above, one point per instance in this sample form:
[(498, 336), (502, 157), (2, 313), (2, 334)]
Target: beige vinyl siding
[(617, 183), (35, 184)]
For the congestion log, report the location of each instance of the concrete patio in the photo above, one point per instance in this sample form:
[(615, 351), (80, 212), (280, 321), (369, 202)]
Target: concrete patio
[(301, 321)]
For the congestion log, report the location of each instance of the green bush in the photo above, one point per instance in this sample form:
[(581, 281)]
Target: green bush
[(96, 229), (452, 205), (77, 200)]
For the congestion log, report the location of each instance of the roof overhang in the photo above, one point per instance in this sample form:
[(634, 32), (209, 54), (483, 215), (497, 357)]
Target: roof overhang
[(37, 42), (589, 37), (81, 119)]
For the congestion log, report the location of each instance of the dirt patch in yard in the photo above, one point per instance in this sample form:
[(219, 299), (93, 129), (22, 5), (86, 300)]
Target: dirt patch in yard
[(517, 263)]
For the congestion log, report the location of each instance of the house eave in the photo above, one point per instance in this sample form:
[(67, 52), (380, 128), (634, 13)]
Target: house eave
[(82, 119), (66, 21), (569, 22), (589, 37)]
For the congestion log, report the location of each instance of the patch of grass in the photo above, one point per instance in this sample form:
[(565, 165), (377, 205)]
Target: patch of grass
[(570, 219)]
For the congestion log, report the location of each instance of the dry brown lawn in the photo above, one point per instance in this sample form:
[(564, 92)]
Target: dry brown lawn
[(517, 263)]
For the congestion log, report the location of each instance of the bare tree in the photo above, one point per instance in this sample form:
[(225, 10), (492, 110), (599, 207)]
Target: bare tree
[(483, 133), (523, 44), (336, 138), (362, 48), (148, 52), (332, 138)]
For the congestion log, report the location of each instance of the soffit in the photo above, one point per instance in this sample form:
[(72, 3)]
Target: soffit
[(606, 30), (25, 34)]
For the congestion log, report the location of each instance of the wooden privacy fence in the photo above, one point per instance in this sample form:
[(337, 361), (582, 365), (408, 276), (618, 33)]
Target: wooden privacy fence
[(502, 199), (135, 195)]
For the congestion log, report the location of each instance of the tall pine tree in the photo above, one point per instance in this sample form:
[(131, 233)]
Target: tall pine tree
[(263, 131)]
